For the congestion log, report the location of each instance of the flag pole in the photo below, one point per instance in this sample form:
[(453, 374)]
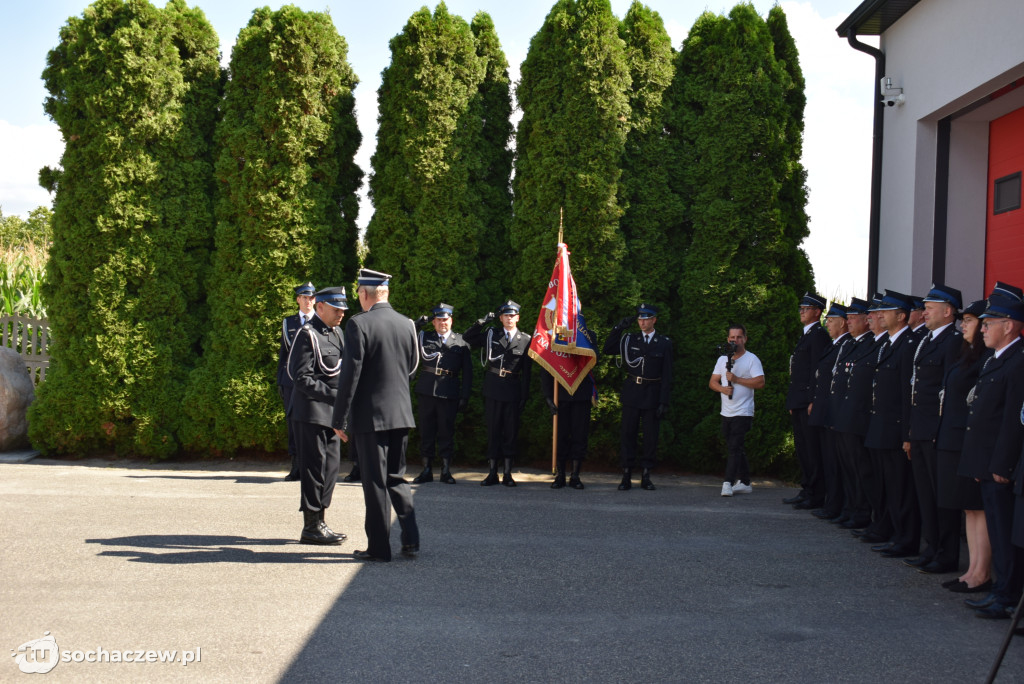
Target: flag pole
[(554, 418)]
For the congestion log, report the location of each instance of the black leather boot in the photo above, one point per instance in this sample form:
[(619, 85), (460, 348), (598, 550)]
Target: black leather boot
[(293, 474), (626, 483), (426, 476), (313, 532), (446, 472), (492, 476), (340, 536), (354, 475), (645, 481), (574, 479), (506, 478), (559, 482)]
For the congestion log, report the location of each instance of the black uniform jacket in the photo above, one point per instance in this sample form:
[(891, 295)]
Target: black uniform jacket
[(921, 406), (819, 414), (648, 368), (887, 429), (381, 354), (960, 380), (851, 392), (289, 328), (507, 369), (313, 363), (446, 371), (802, 365), (992, 443)]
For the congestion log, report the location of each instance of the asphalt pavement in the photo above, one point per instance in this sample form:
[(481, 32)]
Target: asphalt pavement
[(524, 584)]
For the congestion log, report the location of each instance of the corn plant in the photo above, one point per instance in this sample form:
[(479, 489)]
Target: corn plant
[(22, 270)]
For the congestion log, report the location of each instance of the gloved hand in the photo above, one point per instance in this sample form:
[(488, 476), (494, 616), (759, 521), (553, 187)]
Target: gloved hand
[(661, 411), (423, 320), (463, 403), (552, 406), (624, 323), (489, 317)]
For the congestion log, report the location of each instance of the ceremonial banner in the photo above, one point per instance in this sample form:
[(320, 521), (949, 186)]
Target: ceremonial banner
[(561, 342)]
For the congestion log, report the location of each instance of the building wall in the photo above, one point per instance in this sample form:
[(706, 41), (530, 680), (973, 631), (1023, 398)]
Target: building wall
[(946, 55)]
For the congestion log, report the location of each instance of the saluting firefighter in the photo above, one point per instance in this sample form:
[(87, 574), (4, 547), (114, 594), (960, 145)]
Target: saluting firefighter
[(646, 391), (506, 383), (289, 328), (443, 386), (313, 365)]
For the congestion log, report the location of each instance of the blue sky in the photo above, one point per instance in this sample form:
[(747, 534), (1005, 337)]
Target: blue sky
[(838, 118)]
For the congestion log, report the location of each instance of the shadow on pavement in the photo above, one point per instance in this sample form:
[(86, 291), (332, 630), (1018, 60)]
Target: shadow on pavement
[(181, 549), (238, 479)]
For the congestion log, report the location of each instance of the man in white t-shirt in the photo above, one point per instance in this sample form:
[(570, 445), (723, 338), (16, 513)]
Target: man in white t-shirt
[(737, 389)]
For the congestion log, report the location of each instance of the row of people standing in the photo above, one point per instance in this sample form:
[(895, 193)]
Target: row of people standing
[(899, 430)]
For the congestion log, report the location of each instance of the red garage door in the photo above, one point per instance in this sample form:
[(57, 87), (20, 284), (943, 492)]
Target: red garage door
[(1004, 236)]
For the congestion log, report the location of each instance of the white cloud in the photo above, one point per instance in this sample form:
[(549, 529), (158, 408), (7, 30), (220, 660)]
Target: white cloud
[(24, 150)]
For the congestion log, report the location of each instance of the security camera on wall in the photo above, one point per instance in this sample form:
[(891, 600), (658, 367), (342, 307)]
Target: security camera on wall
[(891, 96)]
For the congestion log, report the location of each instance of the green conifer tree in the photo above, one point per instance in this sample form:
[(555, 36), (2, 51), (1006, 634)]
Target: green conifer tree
[(732, 117), (286, 211), (134, 90), (427, 206)]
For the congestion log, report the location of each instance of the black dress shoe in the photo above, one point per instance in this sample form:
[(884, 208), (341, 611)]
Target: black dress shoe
[(983, 602), (851, 525), (507, 480), (490, 480), (955, 586), (839, 520), (426, 476), (997, 610), (808, 505), (291, 477), (964, 588), (625, 484), (365, 556), (882, 547), (559, 482), (353, 476), (872, 538), (897, 552), (795, 499), (825, 515), (937, 568), (645, 483), (574, 482), (918, 562), (410, 550), (446, 477)]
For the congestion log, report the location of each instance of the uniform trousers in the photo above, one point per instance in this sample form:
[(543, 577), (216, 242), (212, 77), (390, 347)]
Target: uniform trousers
[(881, 518), (734, 430), (830, 469), (633, 421), (437, 427), (382, 466), (853, 459), (808, 454), (901, 500), (502, 428), (286, 399), (573, 431), (319, 459), (940, 527), (1006, 558)]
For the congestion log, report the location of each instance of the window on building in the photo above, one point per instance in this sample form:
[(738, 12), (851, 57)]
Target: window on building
[(1007, 194)]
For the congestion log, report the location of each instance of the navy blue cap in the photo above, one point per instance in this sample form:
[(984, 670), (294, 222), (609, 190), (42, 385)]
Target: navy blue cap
[(895, 300), (1003, 307), (876, 300), (917, 303), (975, 308), (812, 299), (945, 295), (857, 306), (443, 310), (836, 311), (646, 311), (306, 290), (372, 278), (334, 296), (508, 307), (1006, 291)]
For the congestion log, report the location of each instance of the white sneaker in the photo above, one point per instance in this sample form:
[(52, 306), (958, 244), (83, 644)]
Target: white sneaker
[(740, 488), (726, 489)]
